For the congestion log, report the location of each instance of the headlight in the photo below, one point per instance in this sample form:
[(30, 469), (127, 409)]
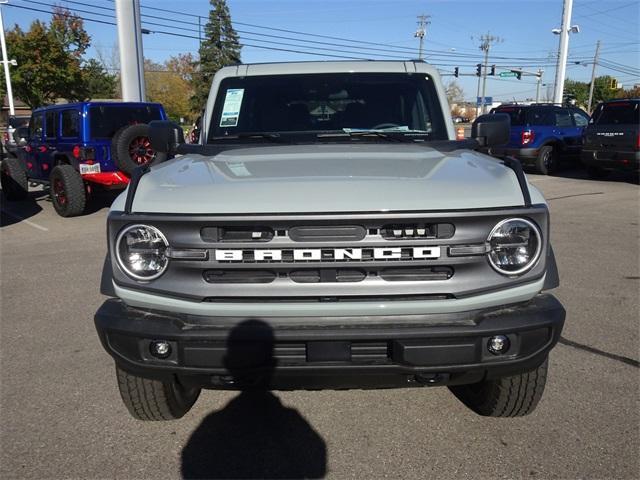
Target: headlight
[(515, 246), (141, 251)]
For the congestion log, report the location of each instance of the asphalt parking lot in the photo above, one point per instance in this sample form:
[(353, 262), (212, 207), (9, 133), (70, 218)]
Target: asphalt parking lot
[(61, 415)]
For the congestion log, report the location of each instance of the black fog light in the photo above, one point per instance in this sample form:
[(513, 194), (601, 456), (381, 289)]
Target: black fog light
[(498, 344), (160, 349)]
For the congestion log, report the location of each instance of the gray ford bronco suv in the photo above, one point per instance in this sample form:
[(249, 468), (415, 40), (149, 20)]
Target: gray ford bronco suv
[(329, 232)]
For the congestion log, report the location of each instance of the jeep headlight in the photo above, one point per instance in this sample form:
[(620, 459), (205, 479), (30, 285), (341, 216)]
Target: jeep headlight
[(141, 251), (515, 246)]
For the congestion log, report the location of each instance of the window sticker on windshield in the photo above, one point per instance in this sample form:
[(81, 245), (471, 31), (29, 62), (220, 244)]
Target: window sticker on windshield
[(231, 107)]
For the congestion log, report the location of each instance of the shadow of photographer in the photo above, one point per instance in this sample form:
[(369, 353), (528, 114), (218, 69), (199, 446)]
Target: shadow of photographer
[(254, 435)]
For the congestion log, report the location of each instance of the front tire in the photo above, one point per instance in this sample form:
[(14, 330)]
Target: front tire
[(547, 160), (513, 396), (153, 400), (13, 179), (67, 191)]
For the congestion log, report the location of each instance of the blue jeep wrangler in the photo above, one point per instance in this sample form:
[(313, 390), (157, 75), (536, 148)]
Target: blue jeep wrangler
[(72, 148), (543, 134)]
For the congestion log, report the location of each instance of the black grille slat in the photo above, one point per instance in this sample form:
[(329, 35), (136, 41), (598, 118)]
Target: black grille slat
[(416, 274), (239, 276), (346, 233)]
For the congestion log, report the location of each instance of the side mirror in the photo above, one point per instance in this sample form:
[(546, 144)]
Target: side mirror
[(165, 136), (21, 136), (491, 130)]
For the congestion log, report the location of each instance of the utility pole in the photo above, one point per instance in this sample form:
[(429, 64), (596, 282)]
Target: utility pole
[(423, 21), (561, 67), (538, 83), (6, 62), (130, 47), (593, 76), (485, 45), (478, 96)]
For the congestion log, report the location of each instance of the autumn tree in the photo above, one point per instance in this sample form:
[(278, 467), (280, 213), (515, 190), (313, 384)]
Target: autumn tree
[(170, 84), (220, 47)]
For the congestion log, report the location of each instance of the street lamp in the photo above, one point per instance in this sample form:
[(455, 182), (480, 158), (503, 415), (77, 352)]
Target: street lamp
[(6, 62)]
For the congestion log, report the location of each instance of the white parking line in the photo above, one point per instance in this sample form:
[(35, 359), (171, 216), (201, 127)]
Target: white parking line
[(22, 219)]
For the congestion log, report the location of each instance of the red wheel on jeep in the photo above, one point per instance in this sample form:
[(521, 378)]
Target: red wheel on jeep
[(140, 150), (133, 148), (59, 192)]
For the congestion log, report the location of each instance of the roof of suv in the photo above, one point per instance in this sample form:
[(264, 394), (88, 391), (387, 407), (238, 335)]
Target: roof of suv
[(89, 103), (354, 66)]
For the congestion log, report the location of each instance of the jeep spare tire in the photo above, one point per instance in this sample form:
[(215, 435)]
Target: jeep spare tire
[(133, 148)]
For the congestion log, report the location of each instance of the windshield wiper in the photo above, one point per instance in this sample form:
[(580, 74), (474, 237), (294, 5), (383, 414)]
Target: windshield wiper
[(391, 134), (273, 137)]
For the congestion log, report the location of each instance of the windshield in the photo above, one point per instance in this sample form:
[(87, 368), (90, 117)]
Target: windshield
[(516, 114), (617, 113), (335, 102), (106, 120)]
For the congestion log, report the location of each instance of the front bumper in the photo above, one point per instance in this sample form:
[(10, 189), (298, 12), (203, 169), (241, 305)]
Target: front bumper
[(331, 352), (611, 159)]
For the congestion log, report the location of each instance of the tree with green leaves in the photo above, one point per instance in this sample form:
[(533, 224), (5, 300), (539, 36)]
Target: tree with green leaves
[(602, 90), (220, 47), (98, 83), (50, 61)]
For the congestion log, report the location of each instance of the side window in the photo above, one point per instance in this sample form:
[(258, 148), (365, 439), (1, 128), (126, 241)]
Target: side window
[(50, 124), (562, 118), (35, 126), (69, 124), (580, 118)]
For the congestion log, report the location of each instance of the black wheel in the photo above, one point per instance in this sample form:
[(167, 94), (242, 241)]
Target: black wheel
[(513, 396), (547, 160), (13, 179), (597, 172), (67, 191), (114, 144), (133, 149), (154, 400)]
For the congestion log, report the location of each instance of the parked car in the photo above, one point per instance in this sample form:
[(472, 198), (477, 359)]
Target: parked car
[(612, 138), (8, 139), (460, 119), (361, 248), (72, 148), (543, 135)]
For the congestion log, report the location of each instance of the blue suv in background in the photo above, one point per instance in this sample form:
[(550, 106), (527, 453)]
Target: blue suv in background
[(543, 134), (73, 148)]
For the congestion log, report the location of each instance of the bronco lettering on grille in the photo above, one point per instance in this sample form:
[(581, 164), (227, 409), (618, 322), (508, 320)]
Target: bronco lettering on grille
[(327, 254)]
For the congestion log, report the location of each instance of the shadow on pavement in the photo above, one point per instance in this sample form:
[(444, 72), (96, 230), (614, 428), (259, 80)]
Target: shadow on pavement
[(578, 172), (15, 212), (254, 435)]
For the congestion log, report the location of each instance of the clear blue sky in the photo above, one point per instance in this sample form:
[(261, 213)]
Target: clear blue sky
[(452, 36)]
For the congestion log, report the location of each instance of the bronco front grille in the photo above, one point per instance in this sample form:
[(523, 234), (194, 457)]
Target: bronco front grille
[(327, 257)]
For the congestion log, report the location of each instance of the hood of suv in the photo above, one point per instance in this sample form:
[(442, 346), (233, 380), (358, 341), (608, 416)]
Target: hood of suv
[(326, 178)]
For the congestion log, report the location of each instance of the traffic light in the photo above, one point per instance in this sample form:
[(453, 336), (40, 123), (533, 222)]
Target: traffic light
[(518, 74), (478, 70), (456, 71), (613, 83), (493, 70)]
